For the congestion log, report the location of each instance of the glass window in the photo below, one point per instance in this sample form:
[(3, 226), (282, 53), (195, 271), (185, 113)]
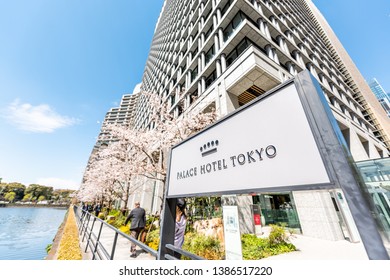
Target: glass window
[(208, 32), (210, 54), (172, 99), (231, 57), (194, 73), (207, 15), (226, 7), (227, 32), (196, 33), (237, 20), (242, 46), (195, 52), (210, 79), (232, 25)]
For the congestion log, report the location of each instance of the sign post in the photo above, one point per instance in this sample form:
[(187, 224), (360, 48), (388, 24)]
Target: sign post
[(231, 227)]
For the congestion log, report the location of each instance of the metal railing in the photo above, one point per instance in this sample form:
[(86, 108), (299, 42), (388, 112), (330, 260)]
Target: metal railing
[(178, 251), (91, 229)]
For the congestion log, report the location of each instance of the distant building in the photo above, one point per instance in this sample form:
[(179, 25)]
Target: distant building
[(122, 115), (381, 95)]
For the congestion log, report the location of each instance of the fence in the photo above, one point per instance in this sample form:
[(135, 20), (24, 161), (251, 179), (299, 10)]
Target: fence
[(106, 242)]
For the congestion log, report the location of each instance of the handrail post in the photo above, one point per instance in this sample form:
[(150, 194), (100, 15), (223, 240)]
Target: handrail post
[(97, 241), (99, 250), (77, 210), (84, 218), (86, 227), (90, 233), (114, 246)]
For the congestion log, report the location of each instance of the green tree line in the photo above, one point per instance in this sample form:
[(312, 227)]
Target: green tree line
[(17, 192)]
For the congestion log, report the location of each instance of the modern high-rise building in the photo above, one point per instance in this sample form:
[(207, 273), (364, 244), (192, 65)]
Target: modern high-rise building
[(122, 115), (381, 95), (224, 53), (221, 54)]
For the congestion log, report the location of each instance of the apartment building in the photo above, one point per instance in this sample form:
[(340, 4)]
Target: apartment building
[(122, 115)]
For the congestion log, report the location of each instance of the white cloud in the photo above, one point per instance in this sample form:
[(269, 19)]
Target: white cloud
[(58, 183), (40, 118)]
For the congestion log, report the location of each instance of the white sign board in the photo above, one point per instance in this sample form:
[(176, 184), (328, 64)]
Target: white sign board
[(267, 145), (231, 227)]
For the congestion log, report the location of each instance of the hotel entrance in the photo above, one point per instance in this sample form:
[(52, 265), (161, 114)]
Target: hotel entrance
[(278, 208)]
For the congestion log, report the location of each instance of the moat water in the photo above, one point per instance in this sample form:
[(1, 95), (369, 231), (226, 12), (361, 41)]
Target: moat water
[(25, 232)]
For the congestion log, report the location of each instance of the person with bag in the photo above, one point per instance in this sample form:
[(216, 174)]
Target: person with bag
[(138, 222), (180, 225)]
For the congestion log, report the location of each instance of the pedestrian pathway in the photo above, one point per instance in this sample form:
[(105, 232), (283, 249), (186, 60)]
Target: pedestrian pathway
[(309, 248), (107, 236)]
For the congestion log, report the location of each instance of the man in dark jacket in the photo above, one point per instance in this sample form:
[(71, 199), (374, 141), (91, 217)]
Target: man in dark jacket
[(138, 222)]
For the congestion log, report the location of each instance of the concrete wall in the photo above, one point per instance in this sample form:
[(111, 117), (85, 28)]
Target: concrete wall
[(317, 215)]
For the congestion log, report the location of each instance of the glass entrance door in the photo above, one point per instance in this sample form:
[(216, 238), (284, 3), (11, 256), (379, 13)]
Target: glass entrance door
[(278, 208)]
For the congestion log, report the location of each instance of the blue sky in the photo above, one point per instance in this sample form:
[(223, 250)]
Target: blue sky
[(65, 63), (363, 27)]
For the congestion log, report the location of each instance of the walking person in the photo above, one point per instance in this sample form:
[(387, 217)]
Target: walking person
[(89, 208), (97, 209), (83, 210), (180, 225), (138, 222)]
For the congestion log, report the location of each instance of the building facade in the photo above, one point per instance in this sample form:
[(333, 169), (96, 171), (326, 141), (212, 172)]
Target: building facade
[(122, 115), (381, 95), (221, 54)]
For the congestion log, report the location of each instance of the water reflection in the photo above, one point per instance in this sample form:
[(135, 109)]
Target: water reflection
[(25, 232)]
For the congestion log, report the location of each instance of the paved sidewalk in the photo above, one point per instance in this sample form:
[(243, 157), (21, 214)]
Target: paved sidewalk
[(318, 249), (308, 248)]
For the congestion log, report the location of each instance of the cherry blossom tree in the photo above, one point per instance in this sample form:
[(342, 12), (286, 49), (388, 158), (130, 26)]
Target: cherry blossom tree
[(109, 173), (139, 151), (151, 144)]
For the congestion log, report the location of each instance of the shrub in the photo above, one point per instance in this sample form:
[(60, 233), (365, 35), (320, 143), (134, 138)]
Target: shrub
[(254, 248), (277, 235), (102, 216), (48, 248), (118, 220), (204, 246), (150, 219), (114, 212), (153, 239), (125, 229)]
